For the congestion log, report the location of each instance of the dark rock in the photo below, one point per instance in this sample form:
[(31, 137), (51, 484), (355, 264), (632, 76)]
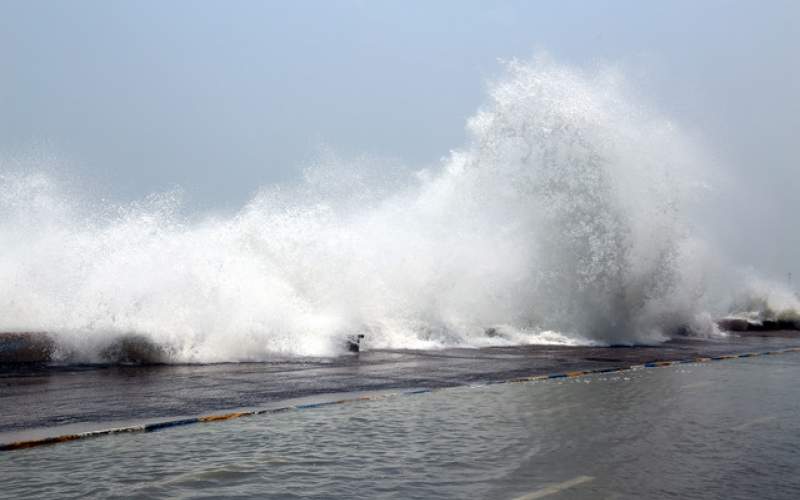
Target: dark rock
[(733, 324), (768, 325), (25, 347), (134, 349)]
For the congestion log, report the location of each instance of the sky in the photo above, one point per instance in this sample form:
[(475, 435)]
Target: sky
[(221, 98)]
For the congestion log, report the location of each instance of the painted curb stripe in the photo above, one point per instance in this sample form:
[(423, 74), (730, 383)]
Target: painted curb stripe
[(217, 418), (157, 426)]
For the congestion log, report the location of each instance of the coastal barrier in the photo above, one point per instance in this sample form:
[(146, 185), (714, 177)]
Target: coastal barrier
[(218, 417)]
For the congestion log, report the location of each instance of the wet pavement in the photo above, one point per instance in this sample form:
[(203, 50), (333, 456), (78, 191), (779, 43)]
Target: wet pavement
[(724, 430), (37, 396)]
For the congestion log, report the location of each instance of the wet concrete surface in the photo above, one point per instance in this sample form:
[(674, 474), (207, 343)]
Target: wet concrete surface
[(34, 396)]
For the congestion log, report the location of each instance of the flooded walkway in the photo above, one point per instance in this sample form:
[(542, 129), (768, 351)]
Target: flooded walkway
[(692, 431), (90, 397)]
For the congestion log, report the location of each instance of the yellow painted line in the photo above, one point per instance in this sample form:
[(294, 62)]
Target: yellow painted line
[(556, 488), (19, 445), (227, 416), (576, 373)]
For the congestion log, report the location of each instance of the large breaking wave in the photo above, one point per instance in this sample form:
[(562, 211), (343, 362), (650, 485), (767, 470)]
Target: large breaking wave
[(563, 219)]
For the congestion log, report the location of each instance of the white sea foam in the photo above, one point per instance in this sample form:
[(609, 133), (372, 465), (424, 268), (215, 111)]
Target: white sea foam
[(562, 220)]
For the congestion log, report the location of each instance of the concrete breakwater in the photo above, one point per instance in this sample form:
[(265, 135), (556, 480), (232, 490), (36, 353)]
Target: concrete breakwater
[(88, 397), (42, 348)]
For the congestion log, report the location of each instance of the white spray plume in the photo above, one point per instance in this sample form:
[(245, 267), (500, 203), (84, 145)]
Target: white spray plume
[(561, 221)]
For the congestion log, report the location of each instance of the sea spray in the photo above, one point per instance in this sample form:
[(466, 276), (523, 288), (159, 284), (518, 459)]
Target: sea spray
[(562, 220)]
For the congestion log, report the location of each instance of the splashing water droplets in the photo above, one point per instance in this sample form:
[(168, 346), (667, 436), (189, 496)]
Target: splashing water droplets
[(559, 221)]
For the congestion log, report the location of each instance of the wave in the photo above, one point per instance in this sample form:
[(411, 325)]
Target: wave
[(563, 219)]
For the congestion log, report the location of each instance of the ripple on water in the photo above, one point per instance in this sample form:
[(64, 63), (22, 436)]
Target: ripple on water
[(722, 430)]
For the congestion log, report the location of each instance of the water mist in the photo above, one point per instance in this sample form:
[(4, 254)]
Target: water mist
[(562, 220)]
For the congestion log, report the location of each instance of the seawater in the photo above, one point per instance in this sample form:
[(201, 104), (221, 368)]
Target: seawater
[(714, 430), (569, 216)]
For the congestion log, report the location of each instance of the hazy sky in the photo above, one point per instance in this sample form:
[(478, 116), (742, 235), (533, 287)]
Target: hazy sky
[(222, 97)]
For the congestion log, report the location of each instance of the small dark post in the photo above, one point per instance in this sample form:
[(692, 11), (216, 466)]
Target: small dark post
[(354, 342)]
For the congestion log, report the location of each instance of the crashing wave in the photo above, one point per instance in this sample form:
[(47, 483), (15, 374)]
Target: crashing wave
[(563, 219)]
